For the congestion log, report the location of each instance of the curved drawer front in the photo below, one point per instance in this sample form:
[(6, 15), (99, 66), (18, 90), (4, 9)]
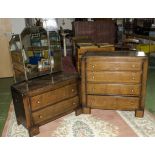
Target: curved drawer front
[(113, 102), (114, 89), (121, 77), (55, 110), (54, 96), (115, 66)]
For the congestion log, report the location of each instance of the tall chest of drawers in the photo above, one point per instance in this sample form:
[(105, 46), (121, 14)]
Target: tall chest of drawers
[(43, 99), (114, 80)]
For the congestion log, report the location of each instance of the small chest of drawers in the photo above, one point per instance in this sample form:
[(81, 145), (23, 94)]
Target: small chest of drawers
[(43, 99), (114, 80)]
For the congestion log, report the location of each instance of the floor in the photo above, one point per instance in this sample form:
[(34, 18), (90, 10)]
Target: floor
[(5, 100), (150, 96), (5, 95)]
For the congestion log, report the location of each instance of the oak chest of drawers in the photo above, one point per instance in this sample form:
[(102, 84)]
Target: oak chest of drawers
[(114, 80), (44, 99)]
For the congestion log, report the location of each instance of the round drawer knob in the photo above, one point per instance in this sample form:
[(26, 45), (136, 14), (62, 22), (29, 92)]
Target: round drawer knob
[(72, 90), (133, 78), (93, 66), (93, 77), (38, 102), (133, 66), (74, 103), (40, 116), (132, 90)]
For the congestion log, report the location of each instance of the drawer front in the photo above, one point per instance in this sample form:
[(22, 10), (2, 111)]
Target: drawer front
[(114, 89), (54, 96), (120, 66), (110, 102), (55, 110), (121, 77)]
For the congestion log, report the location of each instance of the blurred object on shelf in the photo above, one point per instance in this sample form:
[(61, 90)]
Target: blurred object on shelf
[(50, 24), (147, 48)]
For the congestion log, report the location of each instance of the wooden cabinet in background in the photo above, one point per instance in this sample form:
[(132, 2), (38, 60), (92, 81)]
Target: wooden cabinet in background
[(114, 80), (43, 99)]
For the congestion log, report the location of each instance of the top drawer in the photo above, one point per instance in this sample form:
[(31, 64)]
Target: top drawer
[(54, 96), (104, 65), (114, 77)]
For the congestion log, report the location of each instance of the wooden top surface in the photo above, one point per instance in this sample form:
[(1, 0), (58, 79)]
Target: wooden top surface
[(115, 54), (46, 82), (93, 45)]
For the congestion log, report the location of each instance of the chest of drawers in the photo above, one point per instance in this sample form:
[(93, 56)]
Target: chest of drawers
[(114, 80), (43, 99)]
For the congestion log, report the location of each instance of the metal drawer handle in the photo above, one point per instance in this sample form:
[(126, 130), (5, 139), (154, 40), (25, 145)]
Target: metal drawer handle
[(40, 116), (93, 66), (93, 77), (38, 102), (72, 90)]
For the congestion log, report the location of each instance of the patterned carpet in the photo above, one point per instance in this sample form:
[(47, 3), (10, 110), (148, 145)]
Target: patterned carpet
[(144, 127), (101, 123)]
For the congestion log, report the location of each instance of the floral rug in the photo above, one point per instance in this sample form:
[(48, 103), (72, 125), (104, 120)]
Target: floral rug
[(101, 123), (144, 127)]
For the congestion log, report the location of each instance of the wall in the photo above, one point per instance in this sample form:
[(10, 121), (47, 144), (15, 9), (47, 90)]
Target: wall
[(18, 24), (5, 60), (7, 27), (66, 23)]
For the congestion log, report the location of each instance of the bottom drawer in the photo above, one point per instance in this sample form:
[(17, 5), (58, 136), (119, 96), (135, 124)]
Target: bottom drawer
[(55, 110), (113, 102)]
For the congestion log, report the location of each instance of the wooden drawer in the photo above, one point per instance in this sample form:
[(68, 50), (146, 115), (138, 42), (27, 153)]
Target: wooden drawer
[(116, 66), (55, 110), (114, 89), (121, 77), (54, 96), (113, 102)]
